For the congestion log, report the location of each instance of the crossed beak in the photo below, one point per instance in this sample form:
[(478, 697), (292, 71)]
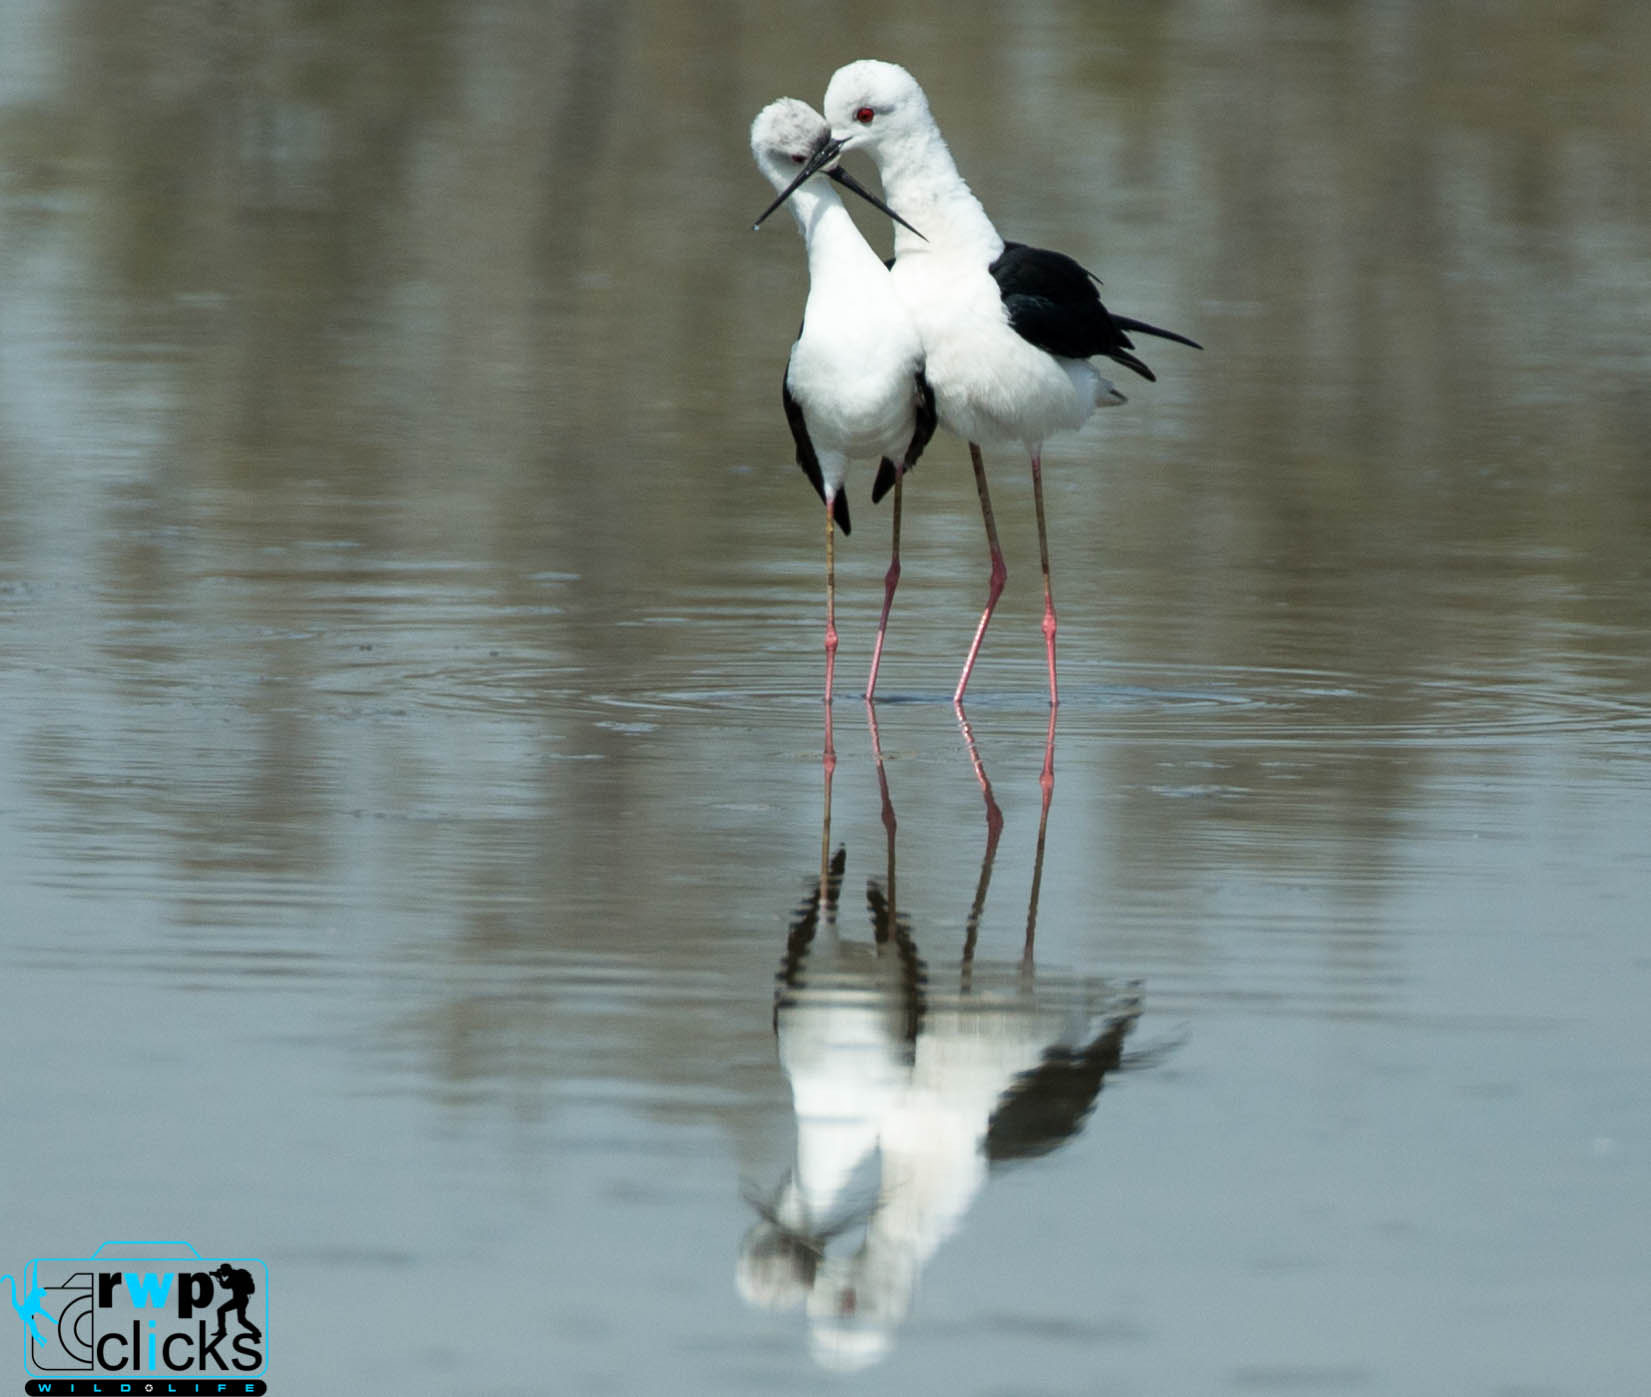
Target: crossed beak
[(825, 155)]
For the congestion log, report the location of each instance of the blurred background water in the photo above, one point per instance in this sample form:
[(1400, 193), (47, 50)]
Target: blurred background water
[(410, 783)]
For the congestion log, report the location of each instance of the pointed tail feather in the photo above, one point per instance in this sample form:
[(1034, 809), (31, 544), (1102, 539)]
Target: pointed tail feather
[(1107, 394)]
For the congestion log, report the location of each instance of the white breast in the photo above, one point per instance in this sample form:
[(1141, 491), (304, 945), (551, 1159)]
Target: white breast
[(990, 385)]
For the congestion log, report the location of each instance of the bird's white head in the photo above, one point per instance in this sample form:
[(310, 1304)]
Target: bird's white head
[(878, 107), (784, 137), (872, 105)]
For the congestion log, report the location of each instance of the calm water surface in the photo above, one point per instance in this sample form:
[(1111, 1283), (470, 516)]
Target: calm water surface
[(411, 792)]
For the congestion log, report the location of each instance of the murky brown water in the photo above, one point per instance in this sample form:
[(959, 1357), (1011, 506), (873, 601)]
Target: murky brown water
[(410, 791)]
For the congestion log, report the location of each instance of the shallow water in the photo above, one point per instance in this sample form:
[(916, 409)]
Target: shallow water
[(411, 791)]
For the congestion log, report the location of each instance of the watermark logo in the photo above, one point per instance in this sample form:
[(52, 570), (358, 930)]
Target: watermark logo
[(140, 1317)]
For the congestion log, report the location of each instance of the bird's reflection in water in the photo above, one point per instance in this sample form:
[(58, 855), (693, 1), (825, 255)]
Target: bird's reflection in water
[(910, 1084)]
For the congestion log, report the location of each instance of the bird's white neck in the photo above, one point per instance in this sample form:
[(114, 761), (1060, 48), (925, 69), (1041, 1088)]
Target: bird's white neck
[(828, 229), (922, 184)]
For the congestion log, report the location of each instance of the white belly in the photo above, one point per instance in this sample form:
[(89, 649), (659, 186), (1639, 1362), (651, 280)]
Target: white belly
[(855, 378), (853, 413)]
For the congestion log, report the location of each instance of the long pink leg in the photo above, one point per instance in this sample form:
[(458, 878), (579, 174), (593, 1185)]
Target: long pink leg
[(891, 580), (999, 572), (829, 756), (1043, 558), (1046, 778), (831, 612)]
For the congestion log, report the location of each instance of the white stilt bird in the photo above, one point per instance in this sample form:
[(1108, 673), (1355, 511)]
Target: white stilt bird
[(854, 384), (1007, 329)]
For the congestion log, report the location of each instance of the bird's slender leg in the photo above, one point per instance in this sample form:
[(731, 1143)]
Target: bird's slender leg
[(999, 572), (1043, 559), (891, 580), (831, 612), (828, 758)]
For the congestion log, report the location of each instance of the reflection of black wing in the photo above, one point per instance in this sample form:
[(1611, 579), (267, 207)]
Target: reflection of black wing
[(1052, 303), (804, 923), (808, 460), (890, 928), (1046, 1106), (927, 420)]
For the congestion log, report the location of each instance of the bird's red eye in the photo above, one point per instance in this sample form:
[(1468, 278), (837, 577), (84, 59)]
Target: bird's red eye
[(864, 116), (797, 159)]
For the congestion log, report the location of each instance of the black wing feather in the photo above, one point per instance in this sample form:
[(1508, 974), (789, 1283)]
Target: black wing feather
[(927, 420), (1052, 303), (808, 460)]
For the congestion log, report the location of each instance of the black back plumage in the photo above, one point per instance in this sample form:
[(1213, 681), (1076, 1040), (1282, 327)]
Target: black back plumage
[(1052, 303)]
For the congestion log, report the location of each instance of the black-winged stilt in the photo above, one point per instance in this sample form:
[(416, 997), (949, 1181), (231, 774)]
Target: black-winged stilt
[(854, 384), (1007, 329)]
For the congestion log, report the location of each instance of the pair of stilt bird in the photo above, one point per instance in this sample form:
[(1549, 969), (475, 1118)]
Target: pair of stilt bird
[(990, 339)]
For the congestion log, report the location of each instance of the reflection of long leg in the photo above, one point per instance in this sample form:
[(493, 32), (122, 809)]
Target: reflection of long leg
[(889, 825), (994, 828), (830, 766), (994, 587), (891, 580), (1047, 781), (1043, 558), (1046, 778)]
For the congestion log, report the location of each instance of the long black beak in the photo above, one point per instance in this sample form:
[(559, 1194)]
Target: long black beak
[(848, 181), (822, 157)]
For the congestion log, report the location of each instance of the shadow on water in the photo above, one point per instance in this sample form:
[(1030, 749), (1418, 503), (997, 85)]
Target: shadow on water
[(912, 1079)]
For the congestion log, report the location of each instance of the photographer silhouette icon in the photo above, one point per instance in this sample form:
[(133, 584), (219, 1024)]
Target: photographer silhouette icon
[(239, 1283)]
